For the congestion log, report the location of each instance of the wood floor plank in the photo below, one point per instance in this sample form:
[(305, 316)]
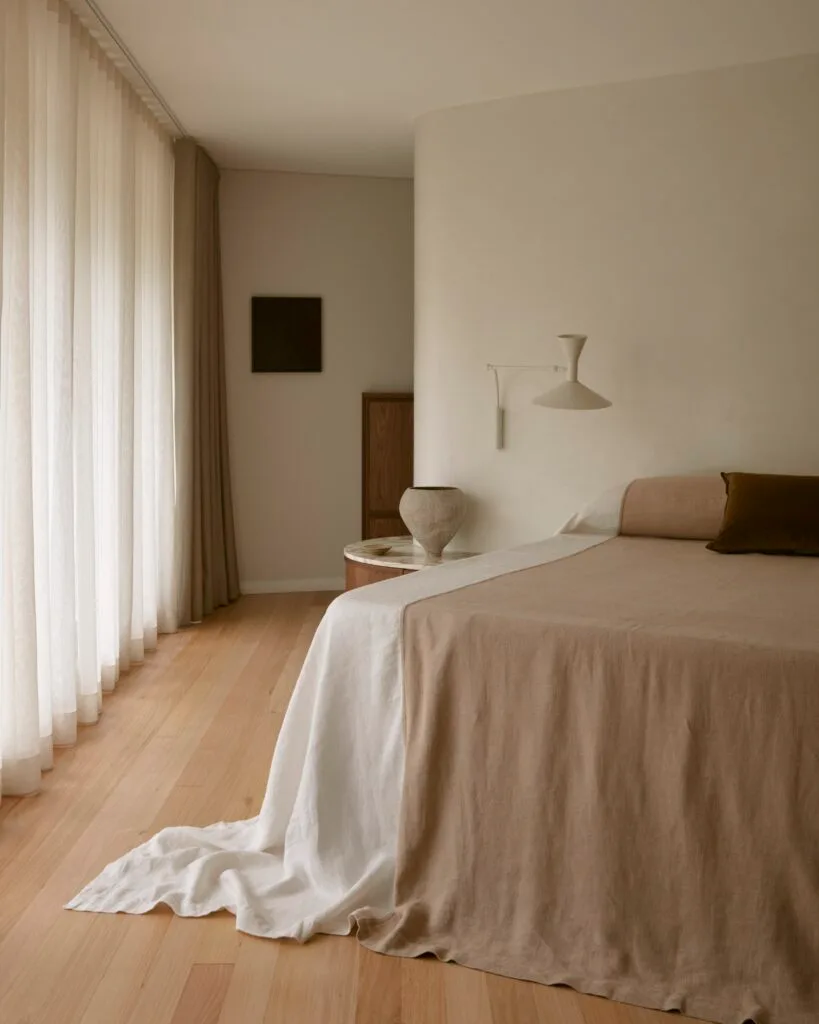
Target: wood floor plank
[(167, 974), (241, 717), (203, 995), (379, 988), (320, 989), (243, 798), (219, 943), (7, 804), (187, 738), (466, 996), (607, 1011), (116, 994), (557, 1005), (84, 776), (48, 987), (250, 985), (123, 821), (423, 999), (604, 1011), (512, 1002)]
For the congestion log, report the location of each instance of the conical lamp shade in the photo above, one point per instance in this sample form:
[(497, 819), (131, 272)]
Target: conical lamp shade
[(571, 394)]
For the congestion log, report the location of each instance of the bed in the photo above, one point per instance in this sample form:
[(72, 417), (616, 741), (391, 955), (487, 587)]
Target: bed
[(589, 761)]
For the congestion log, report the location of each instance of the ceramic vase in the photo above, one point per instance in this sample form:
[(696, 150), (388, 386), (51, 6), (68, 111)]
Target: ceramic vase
[(433, 516)]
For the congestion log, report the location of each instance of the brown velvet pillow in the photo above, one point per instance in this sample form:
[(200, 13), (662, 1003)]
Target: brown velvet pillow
[(769, 515)]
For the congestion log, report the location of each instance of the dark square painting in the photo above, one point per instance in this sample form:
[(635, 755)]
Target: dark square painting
[(286, 334)]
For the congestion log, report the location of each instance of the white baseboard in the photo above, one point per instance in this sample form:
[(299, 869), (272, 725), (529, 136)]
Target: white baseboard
[(290, 586)]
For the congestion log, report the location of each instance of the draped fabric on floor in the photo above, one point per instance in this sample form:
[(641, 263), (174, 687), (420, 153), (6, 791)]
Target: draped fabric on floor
[(86, 383)]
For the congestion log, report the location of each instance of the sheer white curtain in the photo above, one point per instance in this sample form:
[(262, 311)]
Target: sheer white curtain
[(86, 379)]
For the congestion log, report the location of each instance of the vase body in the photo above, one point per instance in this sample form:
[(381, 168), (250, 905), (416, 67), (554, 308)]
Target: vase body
[(433, 515)]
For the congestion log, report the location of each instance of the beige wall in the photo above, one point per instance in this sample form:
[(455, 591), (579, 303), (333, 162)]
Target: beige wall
[(295, 439), (676, 222)]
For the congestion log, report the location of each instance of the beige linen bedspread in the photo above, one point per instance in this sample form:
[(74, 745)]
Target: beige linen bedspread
[(612, 780)]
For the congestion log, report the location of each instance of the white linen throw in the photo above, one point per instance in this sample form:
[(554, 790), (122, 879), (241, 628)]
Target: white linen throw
[(324, 843)]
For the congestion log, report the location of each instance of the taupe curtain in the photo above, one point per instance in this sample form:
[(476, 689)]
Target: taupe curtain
[(207, 571)]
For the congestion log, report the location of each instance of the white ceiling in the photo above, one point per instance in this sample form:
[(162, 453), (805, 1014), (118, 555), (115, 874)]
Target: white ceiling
[(317, 85)]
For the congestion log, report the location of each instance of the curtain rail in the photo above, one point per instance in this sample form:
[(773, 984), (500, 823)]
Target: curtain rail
[(98, 24)]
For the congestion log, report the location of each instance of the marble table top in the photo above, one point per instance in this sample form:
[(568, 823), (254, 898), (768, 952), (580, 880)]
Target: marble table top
[(403, 553)]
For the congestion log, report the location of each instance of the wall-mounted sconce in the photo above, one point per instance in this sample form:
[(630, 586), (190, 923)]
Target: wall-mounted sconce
[(571, 394)]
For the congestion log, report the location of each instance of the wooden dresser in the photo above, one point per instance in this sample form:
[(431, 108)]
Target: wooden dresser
[(387, 442)]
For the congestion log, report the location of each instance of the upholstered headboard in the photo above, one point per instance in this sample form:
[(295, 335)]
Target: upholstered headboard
[(676, 507)]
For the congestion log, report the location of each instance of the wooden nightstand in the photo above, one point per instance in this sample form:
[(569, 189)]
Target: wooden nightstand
[(363, 567)]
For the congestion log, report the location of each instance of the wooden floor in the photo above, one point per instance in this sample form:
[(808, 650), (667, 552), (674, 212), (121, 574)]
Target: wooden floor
[(187, 739)]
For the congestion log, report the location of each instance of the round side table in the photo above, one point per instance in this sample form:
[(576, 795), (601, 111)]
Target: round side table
[(363, 566)]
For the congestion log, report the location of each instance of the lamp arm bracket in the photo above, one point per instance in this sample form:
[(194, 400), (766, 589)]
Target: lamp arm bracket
[(499, 413), (524, 366), (495, 367)]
